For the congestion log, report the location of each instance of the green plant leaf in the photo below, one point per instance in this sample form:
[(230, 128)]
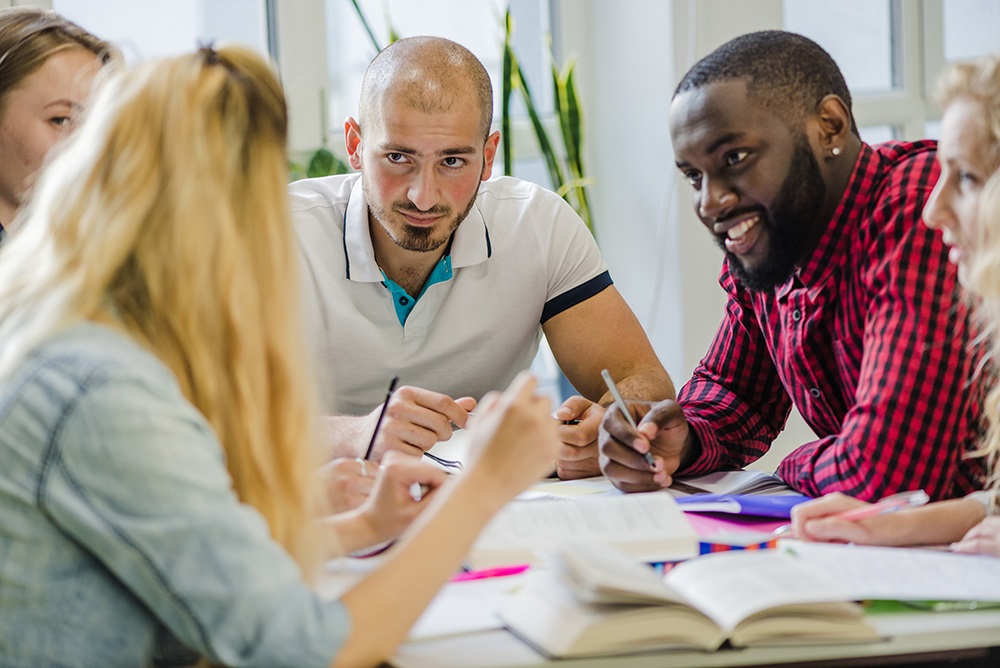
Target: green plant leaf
[(507, 86), (325, 163), (366, 25), (544, 144)]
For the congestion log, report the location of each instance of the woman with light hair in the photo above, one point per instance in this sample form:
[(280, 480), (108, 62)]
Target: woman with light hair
[(965, 206), (47, 65), (158, 488)]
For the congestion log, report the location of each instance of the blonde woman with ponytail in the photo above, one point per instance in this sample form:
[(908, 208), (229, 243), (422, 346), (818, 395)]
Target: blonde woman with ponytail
[(965, 206), (158, 494)]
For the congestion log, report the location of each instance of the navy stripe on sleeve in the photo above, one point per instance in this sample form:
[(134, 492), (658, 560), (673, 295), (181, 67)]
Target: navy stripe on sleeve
[(574, 296)]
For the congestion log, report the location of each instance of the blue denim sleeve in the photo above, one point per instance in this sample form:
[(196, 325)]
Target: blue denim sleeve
[(137, 477)]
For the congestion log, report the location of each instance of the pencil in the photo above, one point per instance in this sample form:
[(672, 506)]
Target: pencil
[(381, 414)]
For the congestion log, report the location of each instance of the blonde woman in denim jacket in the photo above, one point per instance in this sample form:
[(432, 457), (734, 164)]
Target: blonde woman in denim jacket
[(158, 494)]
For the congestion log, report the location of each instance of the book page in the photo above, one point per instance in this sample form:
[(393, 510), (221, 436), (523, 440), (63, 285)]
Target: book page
[(899, 573), (731, 586), (649, 526)]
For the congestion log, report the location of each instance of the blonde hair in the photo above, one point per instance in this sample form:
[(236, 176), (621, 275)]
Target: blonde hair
[(979, 81), (168, 210), (30, 36)]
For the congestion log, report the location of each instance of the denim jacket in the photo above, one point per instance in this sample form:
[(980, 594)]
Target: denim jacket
[(122, 542)]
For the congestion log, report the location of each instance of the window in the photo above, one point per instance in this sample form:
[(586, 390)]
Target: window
[(476, 25), (150, 29)]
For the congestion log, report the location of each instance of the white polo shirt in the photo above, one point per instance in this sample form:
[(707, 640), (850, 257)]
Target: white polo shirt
[(521, 256)]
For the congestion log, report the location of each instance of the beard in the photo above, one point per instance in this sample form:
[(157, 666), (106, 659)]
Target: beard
[(791, 224), (414, 238)]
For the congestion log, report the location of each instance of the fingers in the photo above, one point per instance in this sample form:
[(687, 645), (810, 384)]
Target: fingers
[(573, 408), (416, 419), (574, 462), (348, 482), (578, 453), (810, 511), (984, 538), (623, 455), (405, 471)]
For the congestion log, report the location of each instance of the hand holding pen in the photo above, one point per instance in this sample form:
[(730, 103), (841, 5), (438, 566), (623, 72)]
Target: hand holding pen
[(839, 518), (412, 420), (624, 444)]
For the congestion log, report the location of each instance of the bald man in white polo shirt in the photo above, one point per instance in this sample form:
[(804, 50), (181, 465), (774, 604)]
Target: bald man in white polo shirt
[(420, 266)]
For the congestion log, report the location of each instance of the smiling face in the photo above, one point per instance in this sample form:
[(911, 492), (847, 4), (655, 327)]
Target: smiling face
[(963, 154), (37, 114), (757, 185), (421, 170)]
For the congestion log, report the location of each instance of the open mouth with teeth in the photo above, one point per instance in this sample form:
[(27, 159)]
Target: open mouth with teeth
[(742, 237)]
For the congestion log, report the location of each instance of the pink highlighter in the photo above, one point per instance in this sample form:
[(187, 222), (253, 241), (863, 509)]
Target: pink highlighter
[(485, 573)]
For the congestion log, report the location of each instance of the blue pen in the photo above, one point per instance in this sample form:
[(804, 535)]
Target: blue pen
[(613, 389)]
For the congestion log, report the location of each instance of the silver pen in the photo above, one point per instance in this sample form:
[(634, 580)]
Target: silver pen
[(613, 389)]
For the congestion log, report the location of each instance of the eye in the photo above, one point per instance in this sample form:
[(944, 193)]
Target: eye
[(736, 157), (967, 178), (692, 177), (61, 121), (395, 158), (453, 162)]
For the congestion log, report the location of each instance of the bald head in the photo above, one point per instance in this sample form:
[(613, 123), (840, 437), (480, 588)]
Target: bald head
[(430, 74)]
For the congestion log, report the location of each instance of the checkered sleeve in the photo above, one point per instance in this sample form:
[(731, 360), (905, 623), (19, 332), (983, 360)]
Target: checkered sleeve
[(734, 401)]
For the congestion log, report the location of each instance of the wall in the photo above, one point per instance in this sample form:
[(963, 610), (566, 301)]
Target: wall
[(632, 53)]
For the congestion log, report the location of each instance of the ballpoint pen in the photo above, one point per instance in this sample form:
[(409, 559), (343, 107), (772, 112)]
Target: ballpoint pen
[(613, 389), (381, 414)]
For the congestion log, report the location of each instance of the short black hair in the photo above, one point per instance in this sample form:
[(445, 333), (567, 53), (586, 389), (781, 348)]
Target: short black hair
[(784, 71)]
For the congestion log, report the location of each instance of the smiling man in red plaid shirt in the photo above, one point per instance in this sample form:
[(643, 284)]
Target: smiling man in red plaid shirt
[(839, 300)]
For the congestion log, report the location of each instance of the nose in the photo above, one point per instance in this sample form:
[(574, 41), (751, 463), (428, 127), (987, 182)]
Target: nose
[(716, 201), (937, 214), (423, 190)]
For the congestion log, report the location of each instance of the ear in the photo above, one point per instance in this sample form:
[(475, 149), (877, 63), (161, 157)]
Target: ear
[(352, 139), (834, 120), (489, 155)]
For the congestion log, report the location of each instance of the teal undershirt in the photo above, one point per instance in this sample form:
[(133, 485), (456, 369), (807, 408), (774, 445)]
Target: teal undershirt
[(403, 301)]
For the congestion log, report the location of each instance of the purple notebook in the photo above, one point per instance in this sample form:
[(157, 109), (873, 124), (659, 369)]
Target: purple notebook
[(770, 505)]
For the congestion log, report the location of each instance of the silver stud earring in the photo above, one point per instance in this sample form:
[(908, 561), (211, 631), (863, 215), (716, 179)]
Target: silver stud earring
[(835, 151)]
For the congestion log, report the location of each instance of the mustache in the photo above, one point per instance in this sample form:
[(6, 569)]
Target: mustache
[(407, 207), (759, 210)]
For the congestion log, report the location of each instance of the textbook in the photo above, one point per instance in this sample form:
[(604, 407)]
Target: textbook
[(732, 482), (596, 601), (649, 527)]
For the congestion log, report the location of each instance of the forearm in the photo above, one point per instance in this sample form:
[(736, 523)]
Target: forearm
[(939, 523), (342, 435), (427, 555), (643, 383)]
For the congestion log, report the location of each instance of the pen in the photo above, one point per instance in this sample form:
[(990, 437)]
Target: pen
[(571, 423), (381, 414), (613, 389), (889, 504)]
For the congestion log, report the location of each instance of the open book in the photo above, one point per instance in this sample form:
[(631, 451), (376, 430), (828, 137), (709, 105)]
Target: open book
[(648, 527), (597, 601)]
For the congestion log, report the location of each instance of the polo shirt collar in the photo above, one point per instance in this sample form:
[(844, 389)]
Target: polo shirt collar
[(470, 244)]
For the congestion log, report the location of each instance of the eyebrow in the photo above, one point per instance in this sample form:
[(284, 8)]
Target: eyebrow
[(458, 150), (714, 146), (63, 103)]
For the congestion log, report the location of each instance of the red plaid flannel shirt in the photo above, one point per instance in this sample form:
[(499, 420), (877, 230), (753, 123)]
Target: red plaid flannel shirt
[(870, 339)]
